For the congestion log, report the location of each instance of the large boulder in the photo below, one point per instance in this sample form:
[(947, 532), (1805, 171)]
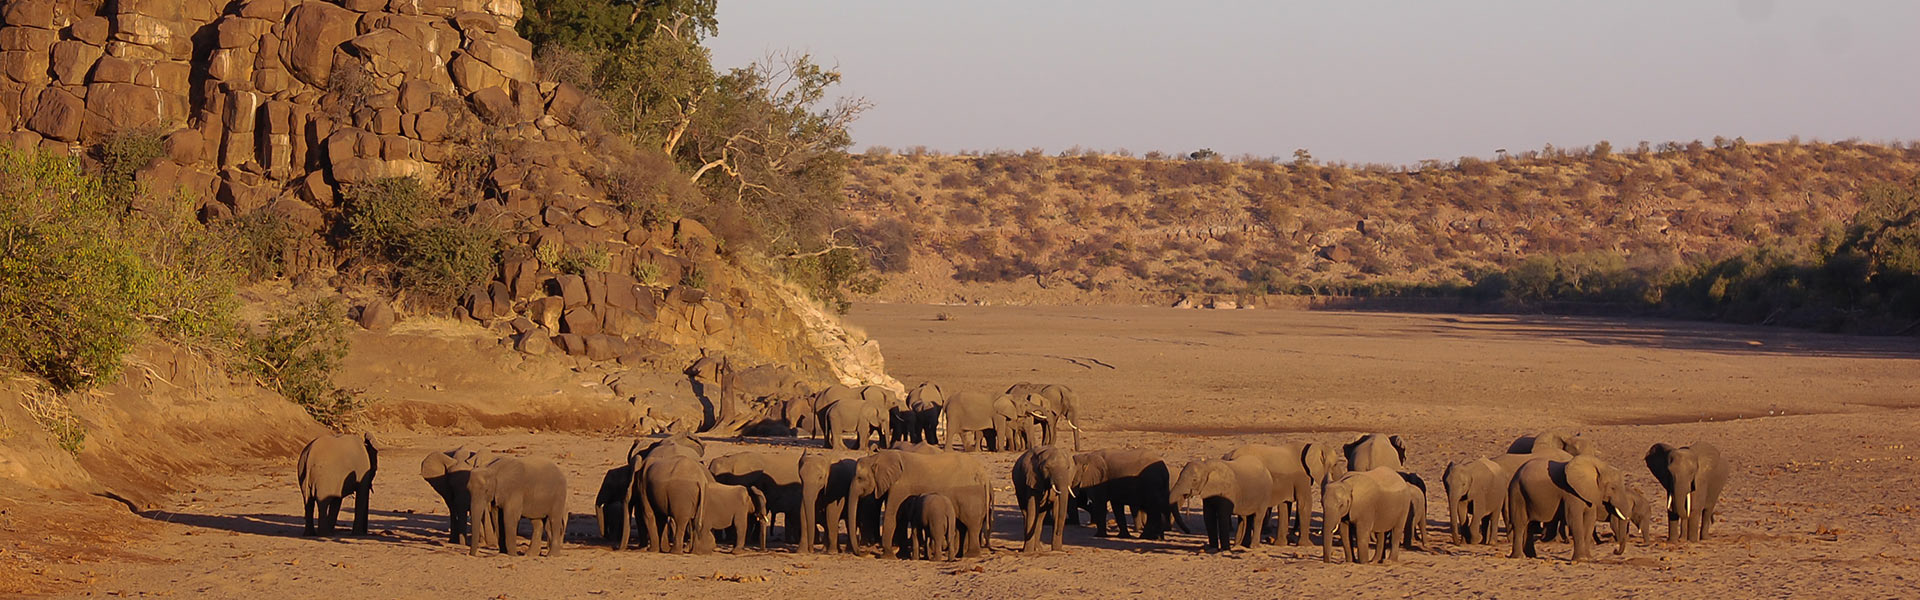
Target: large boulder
[(314, 30)]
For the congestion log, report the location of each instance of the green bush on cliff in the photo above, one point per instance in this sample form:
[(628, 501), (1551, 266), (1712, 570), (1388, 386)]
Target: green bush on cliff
[(415, 242), (83, 277), (296, 354)]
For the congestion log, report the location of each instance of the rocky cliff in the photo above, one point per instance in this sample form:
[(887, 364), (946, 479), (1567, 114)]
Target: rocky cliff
[(277, 105)]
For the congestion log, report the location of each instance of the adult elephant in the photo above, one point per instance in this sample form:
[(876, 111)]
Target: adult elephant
[(1296, 468), (824, 481), (802, 414), (1227, 489), (1574, 491), (1693, 477), (1365, 507), (889, 477), (673, 501), (1476, 495), (506, 490), (1123, 479), (446, 472), (1016, 418), (1043, 480), (677, 445), (860, 413), (775, 477), (1059, 404), (921, 419), (1375, 451), (972, 416), (331, 467)]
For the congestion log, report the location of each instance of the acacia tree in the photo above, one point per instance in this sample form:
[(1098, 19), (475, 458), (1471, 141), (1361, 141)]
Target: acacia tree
[(769, 143)]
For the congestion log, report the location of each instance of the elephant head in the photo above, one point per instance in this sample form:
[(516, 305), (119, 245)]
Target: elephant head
[(682, 444), (762, 520), (1201, 479), (447, 472), (1600, 486), (1678, 470), (873, 476), (1323, 464), (1336, 501)]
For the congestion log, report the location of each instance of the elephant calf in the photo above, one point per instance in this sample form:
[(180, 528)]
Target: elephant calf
[(332, 467), (1371, 506), (736, 508), (1476, 495), (446, 472), (933, 532), (510, 488)]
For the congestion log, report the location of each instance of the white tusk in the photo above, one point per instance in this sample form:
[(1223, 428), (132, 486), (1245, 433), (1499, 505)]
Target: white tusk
[(1686, 503), (1616, 512)]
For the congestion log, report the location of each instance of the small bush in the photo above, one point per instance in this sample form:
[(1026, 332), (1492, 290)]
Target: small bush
[(398, 223), (124, 153), (647, 273), (258, 243), (296, 355), (580, 260), (56, 418)]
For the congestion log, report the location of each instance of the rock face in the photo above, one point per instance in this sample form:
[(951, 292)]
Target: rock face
[(274, 104)]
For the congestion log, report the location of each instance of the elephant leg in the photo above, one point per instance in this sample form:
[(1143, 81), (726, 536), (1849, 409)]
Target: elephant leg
[(1259, 524), (556, 532), (1581, 524), (1097, 509), (510, 530), (534, 534), (808, 514), (360, 499), (329, 515), (1706, 520), (1120, 521), (1363, 530), (310, 530), (1030, 523), (1059, 514)]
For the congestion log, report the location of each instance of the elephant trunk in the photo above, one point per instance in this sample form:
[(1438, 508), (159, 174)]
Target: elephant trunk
[(1619, 523)]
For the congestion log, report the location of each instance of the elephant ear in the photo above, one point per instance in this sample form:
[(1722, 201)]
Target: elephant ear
[(436, 465), (887, 466), (1091, 467), (634, 453), (1658, 461), (1399, 446), (1348, 449), (1582, 475)]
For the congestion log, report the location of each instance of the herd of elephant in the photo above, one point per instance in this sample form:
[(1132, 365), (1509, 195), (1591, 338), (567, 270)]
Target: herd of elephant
[(1026, 414), (918, 499)]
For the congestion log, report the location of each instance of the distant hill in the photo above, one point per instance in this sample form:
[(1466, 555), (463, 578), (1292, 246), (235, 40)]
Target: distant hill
[(1073, 228)]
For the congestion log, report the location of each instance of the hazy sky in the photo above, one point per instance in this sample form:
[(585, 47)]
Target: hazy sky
[(1350, 80)]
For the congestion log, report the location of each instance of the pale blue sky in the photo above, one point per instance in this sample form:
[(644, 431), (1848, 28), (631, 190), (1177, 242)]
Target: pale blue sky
[(1350, 80)]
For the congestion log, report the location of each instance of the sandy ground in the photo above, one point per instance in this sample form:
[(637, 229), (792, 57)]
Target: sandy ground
[(1820, 429)]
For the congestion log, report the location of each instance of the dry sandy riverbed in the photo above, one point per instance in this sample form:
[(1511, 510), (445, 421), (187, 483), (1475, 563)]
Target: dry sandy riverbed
[(1821, 428)]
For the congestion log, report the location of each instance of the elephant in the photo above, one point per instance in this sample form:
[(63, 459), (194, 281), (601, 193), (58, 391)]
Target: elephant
[(934, 532), (1416, 532), (1549, 441), (1227, 489), (510, 488), (446, 472), (969, 417), (823, 498), (1376, 450), (1476, 496), (738, 508), (1571, 490), (1060, 405), (1122, 479), (920, 422), (1638, 513), (1693, 477), (891, 476), (330, 468), (1371, 506), (777, 477), (802, 415), (1296, 469), (677, 445), (1015, 420), (859, 413), (610, 502), (1043, 481), (674, 489)]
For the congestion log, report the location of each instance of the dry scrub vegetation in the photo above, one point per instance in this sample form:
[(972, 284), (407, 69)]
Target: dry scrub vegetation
[(1587, 224)]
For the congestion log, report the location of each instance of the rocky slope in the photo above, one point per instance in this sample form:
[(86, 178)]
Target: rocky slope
[(1033, 228)]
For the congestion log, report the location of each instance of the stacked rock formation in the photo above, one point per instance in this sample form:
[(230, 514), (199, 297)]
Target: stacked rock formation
[(274, 104)]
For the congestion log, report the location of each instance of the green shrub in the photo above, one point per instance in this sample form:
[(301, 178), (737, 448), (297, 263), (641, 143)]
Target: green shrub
[(578, 261), (296, 355), (397, 223), (122, 154), (646, 272), (73, 284), (258, 243)]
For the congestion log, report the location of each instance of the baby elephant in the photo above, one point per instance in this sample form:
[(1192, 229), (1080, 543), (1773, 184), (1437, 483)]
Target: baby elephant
[(330, 468), (736, 507), (933, 527), (510, 488)]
